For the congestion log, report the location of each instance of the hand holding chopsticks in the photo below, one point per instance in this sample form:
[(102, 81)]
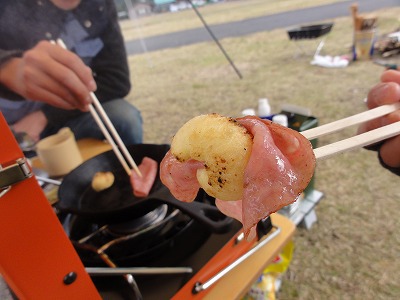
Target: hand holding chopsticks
[(360, 140), (96, 109)]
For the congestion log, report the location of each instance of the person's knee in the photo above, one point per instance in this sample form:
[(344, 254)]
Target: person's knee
[(131, 126), (126, 119)]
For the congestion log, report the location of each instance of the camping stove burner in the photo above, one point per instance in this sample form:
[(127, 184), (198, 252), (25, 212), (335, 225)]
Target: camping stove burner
[(168, 236), (172, 238), (138, 224)]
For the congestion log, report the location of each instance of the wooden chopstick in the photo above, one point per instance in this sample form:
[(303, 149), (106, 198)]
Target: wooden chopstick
[(361, 140), (350, 121), (109, 139), (110, 126), (357, 141)]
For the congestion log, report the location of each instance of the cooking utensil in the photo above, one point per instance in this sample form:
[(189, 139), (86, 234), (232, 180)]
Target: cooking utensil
[(100, 116), (117, 203), (357, 141)]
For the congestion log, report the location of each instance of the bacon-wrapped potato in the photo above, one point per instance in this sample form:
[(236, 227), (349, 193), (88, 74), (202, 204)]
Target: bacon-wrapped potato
[(223, 145), (265, 166)]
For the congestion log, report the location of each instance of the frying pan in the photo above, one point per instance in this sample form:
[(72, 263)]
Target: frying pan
[(117, 203)]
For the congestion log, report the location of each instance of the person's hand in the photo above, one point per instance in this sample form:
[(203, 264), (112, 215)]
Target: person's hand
[(32, 124), (386, 92), (50, 74)]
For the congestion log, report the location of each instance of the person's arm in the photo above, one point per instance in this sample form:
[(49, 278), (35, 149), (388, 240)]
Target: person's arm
[(32, 124), (49, 74), (110, 67), (386, 92), (5, 56)]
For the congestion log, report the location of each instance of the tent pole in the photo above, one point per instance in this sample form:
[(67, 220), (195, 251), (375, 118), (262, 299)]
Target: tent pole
[(215, 39)]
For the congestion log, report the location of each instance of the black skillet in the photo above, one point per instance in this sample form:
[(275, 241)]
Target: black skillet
[(117, 203)]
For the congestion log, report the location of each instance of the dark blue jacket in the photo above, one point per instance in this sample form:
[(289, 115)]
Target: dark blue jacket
[(24, 23)]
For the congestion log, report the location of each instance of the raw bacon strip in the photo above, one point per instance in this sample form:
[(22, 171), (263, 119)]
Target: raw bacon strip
[(280, 167), (234, 209), (180, 177), (142, 185)]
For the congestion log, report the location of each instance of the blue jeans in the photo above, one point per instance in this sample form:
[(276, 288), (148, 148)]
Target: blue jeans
[(125, 117)]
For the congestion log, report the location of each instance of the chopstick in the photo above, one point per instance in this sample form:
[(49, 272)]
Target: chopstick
[(350, 121), (357, 141), (99, 120)]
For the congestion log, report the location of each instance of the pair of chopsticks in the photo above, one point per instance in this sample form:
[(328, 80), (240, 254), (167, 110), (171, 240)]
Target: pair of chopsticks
[(97, 110), (361, 140)]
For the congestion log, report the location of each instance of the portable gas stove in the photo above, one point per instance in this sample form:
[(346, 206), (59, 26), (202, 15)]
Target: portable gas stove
[(173, 256), (154, 255)]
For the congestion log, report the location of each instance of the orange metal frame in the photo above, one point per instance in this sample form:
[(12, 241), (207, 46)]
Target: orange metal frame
[(37, 259), (227, 255)]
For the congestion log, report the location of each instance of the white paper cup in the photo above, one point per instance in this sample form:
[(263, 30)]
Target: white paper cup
[(59, 153)]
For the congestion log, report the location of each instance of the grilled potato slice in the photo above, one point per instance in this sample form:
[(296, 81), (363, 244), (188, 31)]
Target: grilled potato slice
[(223, 145), (102, 181)]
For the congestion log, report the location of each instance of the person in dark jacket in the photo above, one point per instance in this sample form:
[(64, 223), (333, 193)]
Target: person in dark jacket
[(44, 87), (385, 92)]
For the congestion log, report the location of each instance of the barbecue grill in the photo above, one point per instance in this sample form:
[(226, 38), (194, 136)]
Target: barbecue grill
[(309, 32)]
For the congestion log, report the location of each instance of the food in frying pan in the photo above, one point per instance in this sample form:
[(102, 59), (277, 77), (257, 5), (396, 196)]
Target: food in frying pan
[(142, 185), (252, 166), (102, 181)]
